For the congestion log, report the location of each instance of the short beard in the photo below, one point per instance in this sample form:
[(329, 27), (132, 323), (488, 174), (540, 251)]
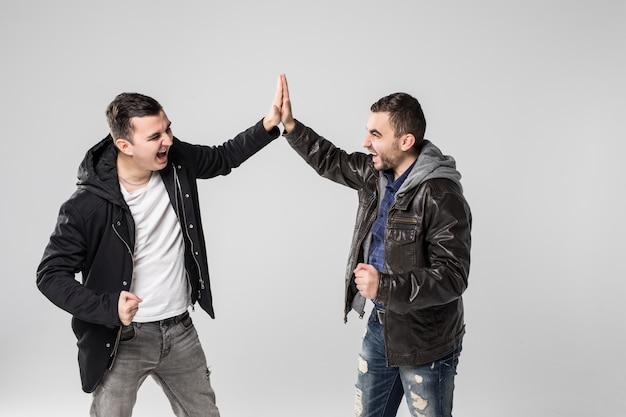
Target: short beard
[(390, 162)]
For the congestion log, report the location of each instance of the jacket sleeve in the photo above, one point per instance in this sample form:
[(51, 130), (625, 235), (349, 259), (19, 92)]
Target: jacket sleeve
[(447, 241), (327, 160), (211, 161), (63, 258)]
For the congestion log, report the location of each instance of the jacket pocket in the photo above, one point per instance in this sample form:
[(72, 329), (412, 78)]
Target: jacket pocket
[(402, 229), (401, 243)]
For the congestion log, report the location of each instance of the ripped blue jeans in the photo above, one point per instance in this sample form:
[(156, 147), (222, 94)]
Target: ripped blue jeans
[(428, 388)]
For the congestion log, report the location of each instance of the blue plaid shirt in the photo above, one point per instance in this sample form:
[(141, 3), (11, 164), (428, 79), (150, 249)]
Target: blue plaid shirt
[(377, 246)]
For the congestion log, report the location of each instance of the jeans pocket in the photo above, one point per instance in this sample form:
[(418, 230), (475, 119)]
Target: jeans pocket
[(128, 333), (452, 361), (186, 322)]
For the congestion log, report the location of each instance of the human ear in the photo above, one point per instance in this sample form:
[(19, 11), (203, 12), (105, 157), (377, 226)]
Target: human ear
[(124, 146), (407, 142)]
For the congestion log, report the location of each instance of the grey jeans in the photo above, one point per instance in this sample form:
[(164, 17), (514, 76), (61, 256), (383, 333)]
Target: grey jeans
[(170, 352)]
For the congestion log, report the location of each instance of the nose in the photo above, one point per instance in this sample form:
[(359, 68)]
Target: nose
[(168, 140), (367, 142)]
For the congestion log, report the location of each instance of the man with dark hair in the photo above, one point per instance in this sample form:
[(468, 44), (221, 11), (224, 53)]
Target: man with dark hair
[(410, 255), (133, 230)]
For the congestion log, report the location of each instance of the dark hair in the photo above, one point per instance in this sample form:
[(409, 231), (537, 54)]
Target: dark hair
[(126, 106), (405, 114)]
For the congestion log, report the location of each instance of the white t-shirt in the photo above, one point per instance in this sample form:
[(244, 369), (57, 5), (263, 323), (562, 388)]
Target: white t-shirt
[(159, 267)]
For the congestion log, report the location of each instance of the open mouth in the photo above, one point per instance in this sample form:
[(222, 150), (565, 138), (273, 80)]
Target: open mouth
[(162, 155)]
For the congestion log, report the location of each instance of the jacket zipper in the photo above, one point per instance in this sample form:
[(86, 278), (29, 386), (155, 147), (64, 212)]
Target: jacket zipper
[(178, 190), (359, 243), (119, 331)]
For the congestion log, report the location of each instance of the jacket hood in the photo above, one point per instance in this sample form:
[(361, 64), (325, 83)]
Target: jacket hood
[(431, 163), (97, 173)]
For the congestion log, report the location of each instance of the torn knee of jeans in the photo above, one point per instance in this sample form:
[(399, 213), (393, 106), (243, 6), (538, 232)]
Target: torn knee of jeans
[(418, 402), (358, 403), (208, 373), (362, 365)]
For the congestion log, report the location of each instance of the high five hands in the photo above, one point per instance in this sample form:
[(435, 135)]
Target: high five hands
[(280, 111), (366, 276)]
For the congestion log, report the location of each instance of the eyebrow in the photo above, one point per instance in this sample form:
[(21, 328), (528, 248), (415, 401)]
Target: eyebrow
[(374, 132), (157, 134)]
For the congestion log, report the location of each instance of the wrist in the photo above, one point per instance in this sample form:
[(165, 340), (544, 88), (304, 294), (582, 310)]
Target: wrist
[(289, 126), (268, 125)]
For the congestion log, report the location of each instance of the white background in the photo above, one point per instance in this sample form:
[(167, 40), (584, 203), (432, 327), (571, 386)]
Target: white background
[(528, 96)]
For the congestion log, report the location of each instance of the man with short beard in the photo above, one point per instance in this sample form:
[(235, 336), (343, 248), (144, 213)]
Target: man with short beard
[(410, 255)]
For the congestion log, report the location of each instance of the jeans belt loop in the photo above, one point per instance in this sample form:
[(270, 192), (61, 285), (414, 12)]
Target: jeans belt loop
[(380, 314)]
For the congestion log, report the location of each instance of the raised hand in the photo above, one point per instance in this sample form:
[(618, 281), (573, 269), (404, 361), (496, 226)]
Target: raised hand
[(286, 115), (273, 117)]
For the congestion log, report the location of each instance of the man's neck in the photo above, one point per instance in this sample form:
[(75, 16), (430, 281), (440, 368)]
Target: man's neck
[(403, 166), (131, 178)]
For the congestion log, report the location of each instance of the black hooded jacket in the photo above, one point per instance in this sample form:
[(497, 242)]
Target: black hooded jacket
[(95, 236)]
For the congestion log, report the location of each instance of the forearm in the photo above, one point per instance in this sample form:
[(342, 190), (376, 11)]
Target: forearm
[(326, 159), (420, 289), (69, 295), (63, 258), (212, 161)]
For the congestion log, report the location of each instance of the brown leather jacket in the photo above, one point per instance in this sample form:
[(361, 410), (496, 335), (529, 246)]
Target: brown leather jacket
[(427, 246)]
